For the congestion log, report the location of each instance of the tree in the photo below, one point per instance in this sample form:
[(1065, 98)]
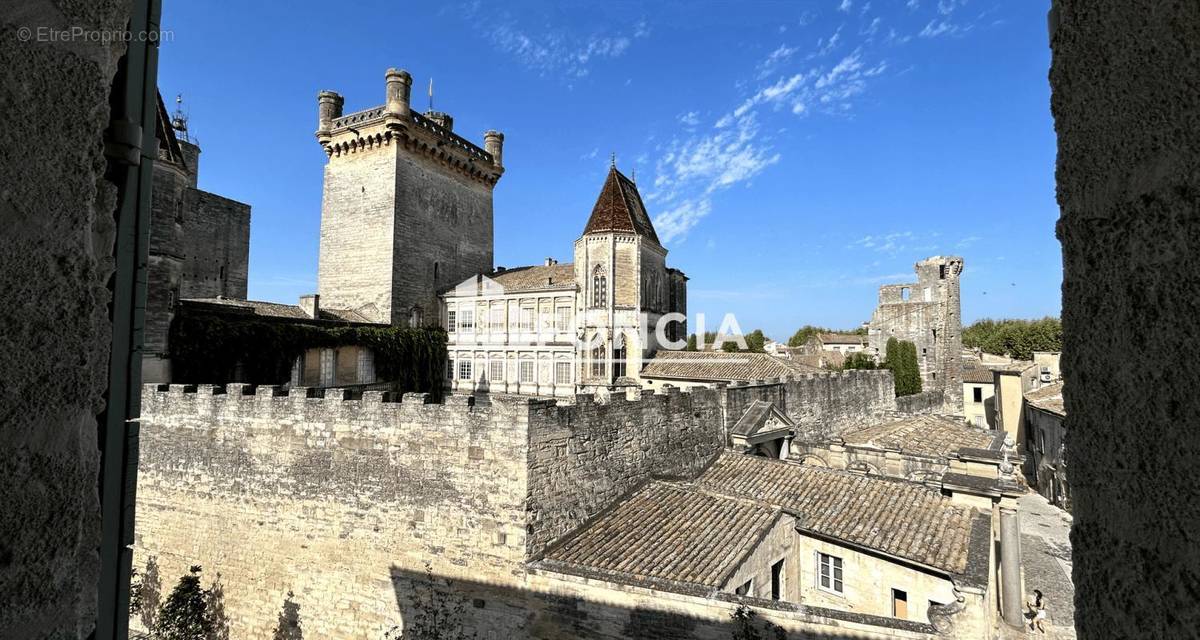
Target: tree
[(214, 608), (901, 359), (691, 343), (288, 626), (756, 341), (1014, 338), (184, 615), (804, 333), (858, 360)]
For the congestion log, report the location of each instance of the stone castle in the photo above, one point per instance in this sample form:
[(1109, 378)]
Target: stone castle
[(611, 511)]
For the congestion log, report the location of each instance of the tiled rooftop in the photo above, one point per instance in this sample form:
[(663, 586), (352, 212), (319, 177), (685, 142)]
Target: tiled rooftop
[(925, 435), (843, 338), (668, 532), (556, 276), (276, 309), (1048, 398), (620, 208), (978, 375), (721, 366), (899, 518)]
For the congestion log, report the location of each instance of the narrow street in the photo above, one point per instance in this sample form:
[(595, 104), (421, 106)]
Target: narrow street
[(1046, 552)]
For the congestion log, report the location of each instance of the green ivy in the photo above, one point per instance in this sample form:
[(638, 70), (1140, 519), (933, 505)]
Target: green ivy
[(206, 349)]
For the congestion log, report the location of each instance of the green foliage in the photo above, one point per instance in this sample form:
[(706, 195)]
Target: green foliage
[(214, 606), (1014, 338), (207, 349), (804, 333), (184, 616), (756, 342), (901, 358), (691, 343), (288, 626), (858, 360)]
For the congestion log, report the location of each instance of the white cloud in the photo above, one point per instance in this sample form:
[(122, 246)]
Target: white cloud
[(968, 241), (845, 6), (936, 28), (872, 28), (556, 50), (885, 243), (591, 155), (689, 119), (913, 4), (825, 46), (776, 58)]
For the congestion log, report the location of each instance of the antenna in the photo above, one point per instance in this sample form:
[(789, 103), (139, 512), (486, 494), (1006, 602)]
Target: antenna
[(613, 160), (179, 118), (431, 94)]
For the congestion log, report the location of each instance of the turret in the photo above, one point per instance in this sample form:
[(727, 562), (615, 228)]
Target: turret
[(493, 143), (329, 107), (399, 90)]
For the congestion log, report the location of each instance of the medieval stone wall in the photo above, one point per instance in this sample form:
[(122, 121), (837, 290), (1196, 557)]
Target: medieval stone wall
[(1126, 85), (324, 496), (443, 222), (354, 269), (216, 246), (823, 405), (585, 456)]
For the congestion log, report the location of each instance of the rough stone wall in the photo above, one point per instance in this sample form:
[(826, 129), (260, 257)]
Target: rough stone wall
[(199, 248), (823, 405), (216, 246), (930, 317), (354, 267), (920, 403), (55, 259), (326, 496), (1126, 85), (442, 217), (585, 456)]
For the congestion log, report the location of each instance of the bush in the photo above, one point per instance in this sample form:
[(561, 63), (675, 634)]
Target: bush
[(858, 360)]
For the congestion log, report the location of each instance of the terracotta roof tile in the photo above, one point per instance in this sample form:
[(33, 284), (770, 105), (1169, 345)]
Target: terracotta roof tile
[(620, 208), (1048, 398), (842, 338), (275, 309), (720, 366), (556, 276), (668, 532), (896, 517), (926, 435), (978, 375)]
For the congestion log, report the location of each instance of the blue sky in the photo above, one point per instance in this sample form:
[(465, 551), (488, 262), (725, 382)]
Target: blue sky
[(794, 155)]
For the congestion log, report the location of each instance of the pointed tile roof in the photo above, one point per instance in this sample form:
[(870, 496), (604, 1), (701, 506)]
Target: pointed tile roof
[(620, 208)]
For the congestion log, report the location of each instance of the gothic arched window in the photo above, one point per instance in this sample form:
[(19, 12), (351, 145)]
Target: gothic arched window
[(599, 287)]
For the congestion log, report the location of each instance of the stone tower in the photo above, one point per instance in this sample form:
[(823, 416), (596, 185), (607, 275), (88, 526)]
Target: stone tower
[(199, 242), (927, 313), (624, 287), (406, 209)]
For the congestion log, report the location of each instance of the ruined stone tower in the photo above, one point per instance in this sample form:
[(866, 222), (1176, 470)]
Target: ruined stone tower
[(928, 314), (406, 209)]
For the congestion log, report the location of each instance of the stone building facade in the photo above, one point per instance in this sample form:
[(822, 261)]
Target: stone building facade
[(555, 329), (928, 314), (199, 242), (406, 208)]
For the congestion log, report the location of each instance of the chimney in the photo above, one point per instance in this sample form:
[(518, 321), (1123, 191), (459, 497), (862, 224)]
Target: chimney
[(329, 107), (311, 305), (399, 90), (493, 143)]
